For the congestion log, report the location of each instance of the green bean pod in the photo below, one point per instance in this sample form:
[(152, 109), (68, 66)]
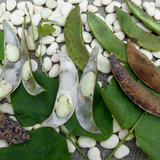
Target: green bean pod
[(143, 67), (147, 20), (138, 94), (74, 40), (106, 38), (135, 33)]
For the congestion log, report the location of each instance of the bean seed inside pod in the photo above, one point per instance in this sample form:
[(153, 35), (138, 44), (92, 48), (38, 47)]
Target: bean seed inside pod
[(87, 84), (13, 53), (26, 71), (5, 88), (64, 106)]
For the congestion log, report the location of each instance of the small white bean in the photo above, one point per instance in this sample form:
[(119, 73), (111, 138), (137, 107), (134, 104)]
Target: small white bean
[(43, 51), (157, 3), (120, 35), (96, 43), (46, 12), (123, 132), (59, 5), (5, 16), (37, 126), (60, 38), (39, 2), (106, 54), (11, 4), (34, 65), (94, 154), (30, 43), (35, 32), (74, 1), (137, 2), (64, 50), (83, 18), (87, 28), (47, 40), (87, 37), (156, 54), (106, 2), (66, 8), (55, 58), (13, 117), (99, 83), (109, 79), (3, 7), (6, 108), (28, 128), (83, 5), (37, 9), (86, 142), (117, 28), (147, 53), (3, 143), (141, 25), (52, 48), (36, 18), (111, 18), (97, 3), (157, 15), (71, 147), (92, 8), (51, 4), (54, 15), (110, 7), (47, 63), (157, 63), (116, 126), (57, 31), (125, 7), (65, 129), (54, 72), (149, 8), (89, 49)]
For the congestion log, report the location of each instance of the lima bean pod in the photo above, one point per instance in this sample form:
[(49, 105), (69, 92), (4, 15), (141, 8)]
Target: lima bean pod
[(74, 40), (138, 94), (136, 34), (147, 20), (106, 38), (68, 85), (143, 67), (11, 71), (29, 83), (84, 108)]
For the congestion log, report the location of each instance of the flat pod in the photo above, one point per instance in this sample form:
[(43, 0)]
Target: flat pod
[(12, 131), (31, 86), (136, 34), (84, 108), (68, 87), (143, 67), (74, 40), (106, 38), (138, 94), (11, 70), (147, 20)]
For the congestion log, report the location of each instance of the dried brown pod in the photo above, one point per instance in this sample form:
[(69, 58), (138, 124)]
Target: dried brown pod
[(12, 131), (138, 94), (143, 67)]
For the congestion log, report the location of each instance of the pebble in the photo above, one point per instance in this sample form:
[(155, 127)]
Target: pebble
[(147, 53), (35, 32), (36, 18), (71, 147), (94, 154), (60, 38), (156, 54), (87, 37), (111, 142), (83, 5), (43, 51), (83, 18), (3, 143), (96, 43), (28, 128), (116, 126), (55, 58), (103, 64), (109, 79), (34, 65), (46, 12), (11, 4), (120, 35), (86, 142), (57, 31), (157, 3), (47, 63), (97, 3), (37, 9), (106, 2), (5, 16), (30, 43), (6, 108), (37, 126), (92, 8), (110, 7), (111, 18), (39, 2), (122, 151), (52, 48), (47, 40), (54, 72), (66, 8), (64, 50), (123, 132), (51, 4)]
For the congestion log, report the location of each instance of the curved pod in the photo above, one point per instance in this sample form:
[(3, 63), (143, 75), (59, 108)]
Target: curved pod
[(29, 83), (106, 38), (84, 108), (147, 20), (135, 33), (68, 85), (143, 67), (74, 40), (138, 94), (11, 71)]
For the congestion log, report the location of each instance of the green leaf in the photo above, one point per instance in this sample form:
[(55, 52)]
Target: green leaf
[(102, 117), (45, 144), (1, 45), (147, 135), (31, 110), (45, 29), (123, 109)]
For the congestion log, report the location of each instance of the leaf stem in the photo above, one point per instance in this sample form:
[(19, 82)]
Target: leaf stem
[(76, 140), (129, 132), (73, 143)]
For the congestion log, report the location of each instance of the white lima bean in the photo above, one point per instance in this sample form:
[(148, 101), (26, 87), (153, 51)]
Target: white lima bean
[(89, 49), (147, 53), (13, 117), (64, 50), (60, 38), (37, 126), (47, 40), (52, 48), (35, 29), (84, 5), (54, 72), (106, 2), (96, 43), (5, 16), (11, 4), (6, 108), (3, 143), (111, 18), (36, 18), (39, 2), (47, 63), (83, 18), (123, 132), (20, 32), (109, 79), (51, 4), (120, 35), (41, 51), (57, 31), (46, 12), (116, 126), (92, 8), (156, 54), (34, 65), (26, 71), (30, 43), (3, 7), (97, 3), (122, 151), (86, 142), (111, 142), (157, 62), (55, 58), (110, 7), (87, 37), (66, 8), (157, 3), (71, 147), (64, 129), (37, 9), (149, 8), (5, 88), (28, 128), (12, 52), (94, 154)]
